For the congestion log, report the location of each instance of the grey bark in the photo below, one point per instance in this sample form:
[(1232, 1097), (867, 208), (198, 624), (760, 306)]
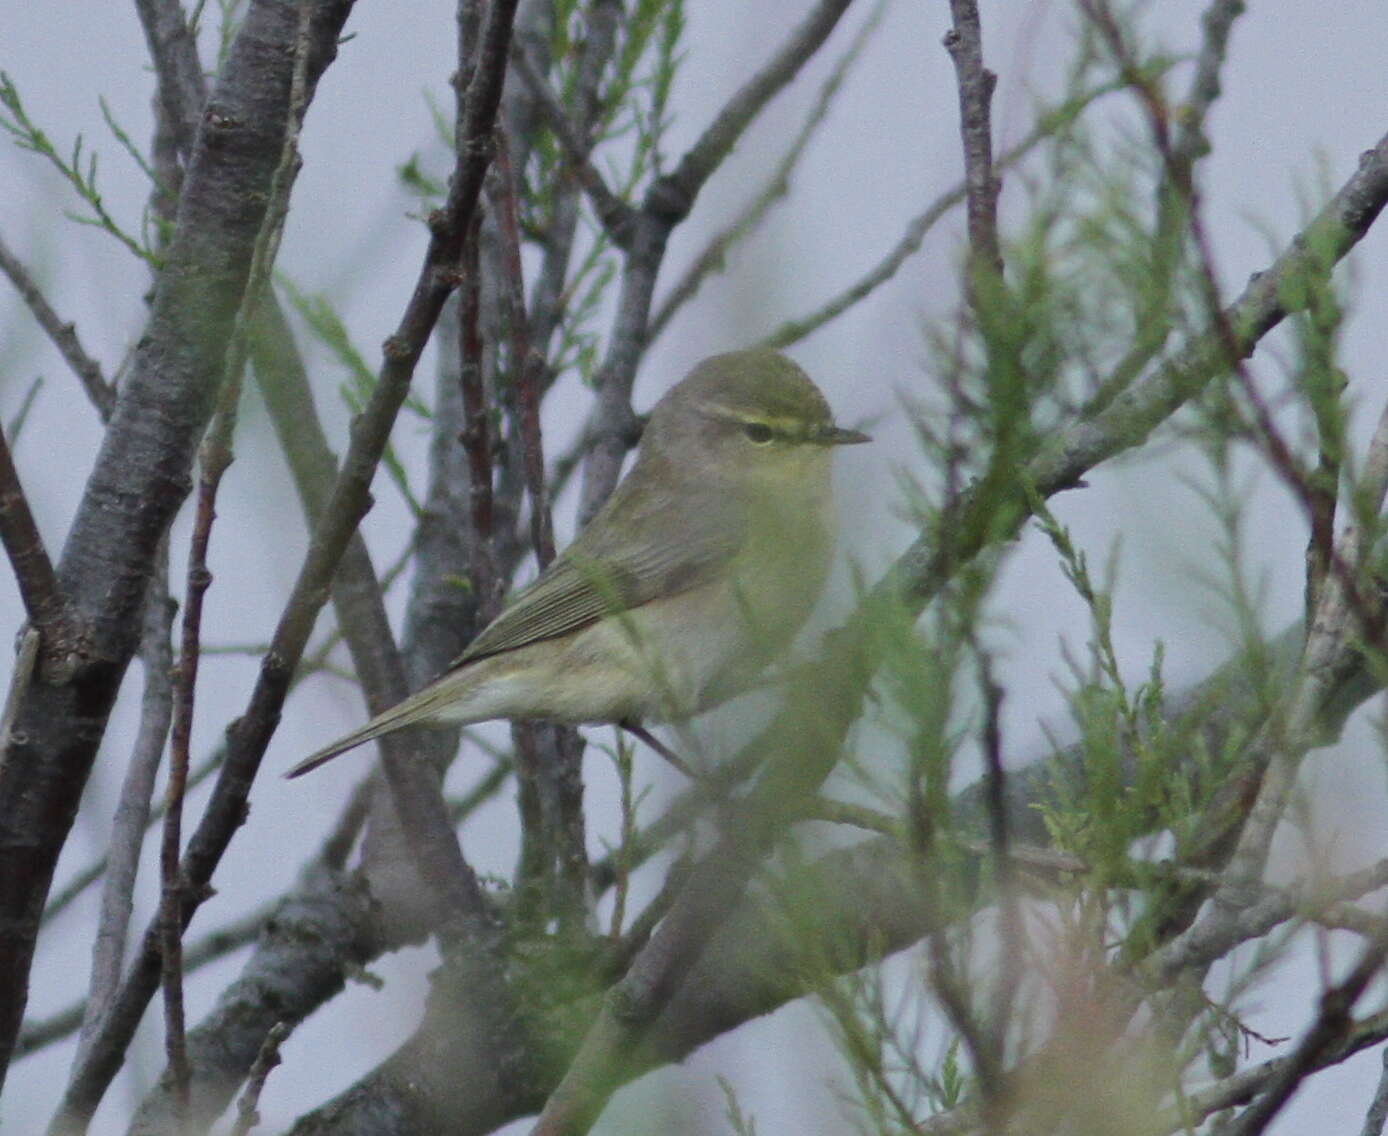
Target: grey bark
[(142, 470)]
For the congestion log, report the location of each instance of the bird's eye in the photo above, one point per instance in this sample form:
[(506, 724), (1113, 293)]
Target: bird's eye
[(758, 432)]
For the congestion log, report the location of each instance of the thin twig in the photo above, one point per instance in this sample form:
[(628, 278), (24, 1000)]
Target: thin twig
[(1273, 908), (526, 363), (621, 758), (132, 815), (1216, 25), (548, 759), (964, 42), (636, 730), (248, 1104), (216, 456), (174, 52), (1332, 1027), (1011, 928), (777, 187), (551, 291), (644, 925), (476, 435), (1242, 1086), (616, 216), (197, 953), (15, 426), (666, 203), (1322, 501), (1377, 1115), (1048, 125), (214, 459), (856, 816), (722, 134), (1153, 318), (62, 333), (61, 899), (140, 476), (1277, 748)]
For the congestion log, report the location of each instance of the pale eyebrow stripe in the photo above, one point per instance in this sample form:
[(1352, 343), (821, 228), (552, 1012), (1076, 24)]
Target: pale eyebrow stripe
[(791, 427)]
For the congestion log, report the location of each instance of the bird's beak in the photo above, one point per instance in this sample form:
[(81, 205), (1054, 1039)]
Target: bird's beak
[(838, 436)]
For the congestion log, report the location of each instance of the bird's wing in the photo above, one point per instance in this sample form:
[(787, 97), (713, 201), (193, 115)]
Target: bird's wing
[(654, 551)]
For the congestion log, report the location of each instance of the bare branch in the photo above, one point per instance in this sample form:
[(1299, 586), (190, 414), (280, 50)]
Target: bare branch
[(616, 216), (1244, 1085), (1131, 417), (667, 202), (677, 192), (62, 333), (308, 945), (1216, 25), (1331, 646), (602, 20), (777, 187), (476, 435), (1377, 1115), (346, 505), (83, 879), (964, 42), (1331, 1029), (215, 457), (197, 953), (1048, 125), (132, 817), (33, 571), (548, 758), (1272, 908), (526, 363), (140, 476), (248, 1104)]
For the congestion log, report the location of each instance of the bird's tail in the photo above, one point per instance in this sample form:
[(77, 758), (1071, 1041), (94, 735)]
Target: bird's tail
[(420, 707)]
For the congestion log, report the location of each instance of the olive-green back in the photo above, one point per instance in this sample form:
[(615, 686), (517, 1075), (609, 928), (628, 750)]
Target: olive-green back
[(662, 549)]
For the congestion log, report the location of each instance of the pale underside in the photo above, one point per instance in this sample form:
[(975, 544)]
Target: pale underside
[(680, 611)]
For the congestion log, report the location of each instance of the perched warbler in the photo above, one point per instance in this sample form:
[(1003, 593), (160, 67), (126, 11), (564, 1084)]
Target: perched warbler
[(695, 574)]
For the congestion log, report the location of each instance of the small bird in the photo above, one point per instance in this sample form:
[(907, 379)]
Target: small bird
[(696, 573)]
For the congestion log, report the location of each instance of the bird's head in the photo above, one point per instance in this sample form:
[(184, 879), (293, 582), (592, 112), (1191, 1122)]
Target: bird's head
[(750, 420)]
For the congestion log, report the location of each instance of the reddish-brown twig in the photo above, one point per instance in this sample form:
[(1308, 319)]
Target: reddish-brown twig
[(526, 365)]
